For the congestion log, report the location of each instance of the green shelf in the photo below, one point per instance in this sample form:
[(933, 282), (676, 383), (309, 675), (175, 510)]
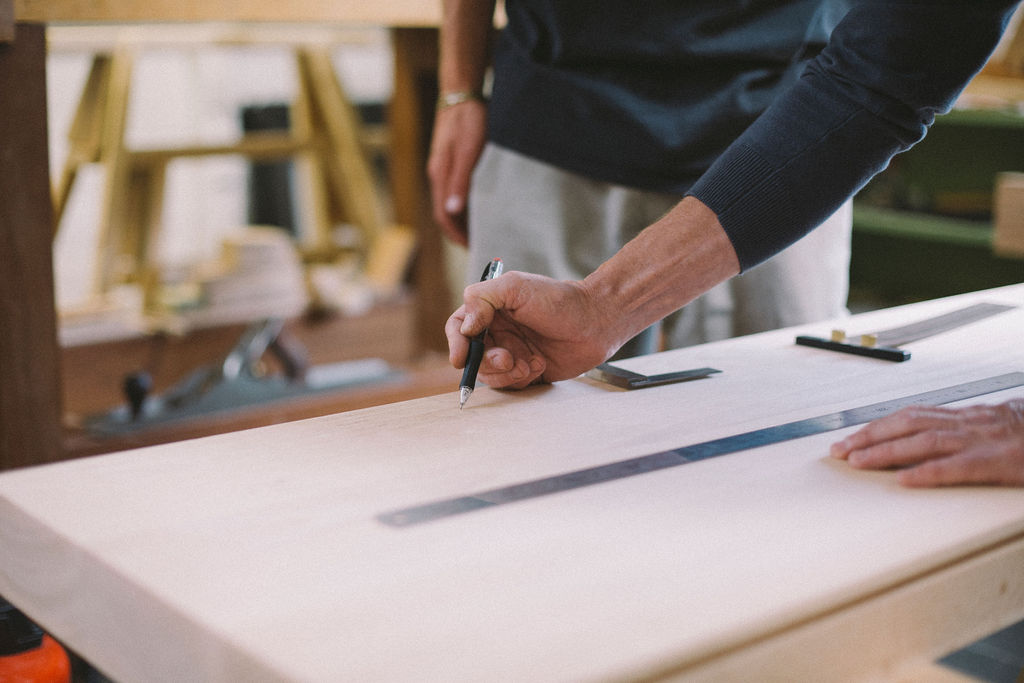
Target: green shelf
[(901, 256)]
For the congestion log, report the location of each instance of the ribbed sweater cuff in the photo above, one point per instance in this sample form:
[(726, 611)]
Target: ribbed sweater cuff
[(753, 205)]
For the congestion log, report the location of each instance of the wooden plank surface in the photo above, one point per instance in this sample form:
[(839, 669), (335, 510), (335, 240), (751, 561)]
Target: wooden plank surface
[(257, 555), (390, 13), (29, 365)]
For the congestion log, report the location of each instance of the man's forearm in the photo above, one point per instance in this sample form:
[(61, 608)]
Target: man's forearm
[(669, 264), (465, 44)]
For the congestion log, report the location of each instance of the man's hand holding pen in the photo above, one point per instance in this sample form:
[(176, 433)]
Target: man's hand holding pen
[(540, 330)]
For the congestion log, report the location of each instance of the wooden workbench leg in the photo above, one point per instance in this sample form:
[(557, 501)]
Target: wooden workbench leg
[(411, 120), (30, 397)]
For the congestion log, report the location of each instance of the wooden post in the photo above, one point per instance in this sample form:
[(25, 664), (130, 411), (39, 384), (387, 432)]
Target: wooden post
[(411, 120), (30, 396)]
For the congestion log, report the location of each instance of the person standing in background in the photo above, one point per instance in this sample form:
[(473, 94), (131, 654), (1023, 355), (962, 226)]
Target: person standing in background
[(602, 117)]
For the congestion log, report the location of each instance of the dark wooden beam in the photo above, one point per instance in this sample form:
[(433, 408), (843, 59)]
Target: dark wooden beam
[(411, 120), (30, 403)]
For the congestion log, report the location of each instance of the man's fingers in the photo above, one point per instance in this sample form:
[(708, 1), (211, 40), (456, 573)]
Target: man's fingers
[(481, 300), (954, 469), (900, 424), (458, 343), (975, 466), (509, 373), (509, 378), (497, 361), (907, 450), (451, 213), (449, 186), (455, 230), (453, 224)]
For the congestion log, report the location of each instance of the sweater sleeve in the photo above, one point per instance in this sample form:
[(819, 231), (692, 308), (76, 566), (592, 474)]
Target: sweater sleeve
[(889, 67)]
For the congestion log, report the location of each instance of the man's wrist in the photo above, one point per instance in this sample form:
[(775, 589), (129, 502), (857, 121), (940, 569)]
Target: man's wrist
[(451, 98), (679, 257)]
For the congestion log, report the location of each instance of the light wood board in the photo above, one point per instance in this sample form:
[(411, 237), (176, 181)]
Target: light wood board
[(256, 555)]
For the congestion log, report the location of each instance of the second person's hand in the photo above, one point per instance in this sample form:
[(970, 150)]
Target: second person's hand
[(456, 145)]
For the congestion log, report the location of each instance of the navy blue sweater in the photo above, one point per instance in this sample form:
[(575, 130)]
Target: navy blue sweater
[(771, 113)]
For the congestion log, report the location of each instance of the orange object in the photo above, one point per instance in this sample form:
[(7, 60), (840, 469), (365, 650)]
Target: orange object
[(27, 655), (47, 663)]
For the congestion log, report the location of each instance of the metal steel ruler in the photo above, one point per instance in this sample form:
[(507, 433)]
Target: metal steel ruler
[(621, 469)]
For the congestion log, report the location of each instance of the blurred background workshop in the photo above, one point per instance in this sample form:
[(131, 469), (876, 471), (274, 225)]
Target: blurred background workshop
[(258, 190)]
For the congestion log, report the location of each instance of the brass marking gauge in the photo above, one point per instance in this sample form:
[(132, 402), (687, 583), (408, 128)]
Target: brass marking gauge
[(883, 344)]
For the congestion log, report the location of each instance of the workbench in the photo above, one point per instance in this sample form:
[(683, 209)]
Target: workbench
[(30, 394), (274, 554)]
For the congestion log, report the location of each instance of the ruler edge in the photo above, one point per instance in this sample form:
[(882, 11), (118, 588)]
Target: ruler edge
[(982, 310)]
